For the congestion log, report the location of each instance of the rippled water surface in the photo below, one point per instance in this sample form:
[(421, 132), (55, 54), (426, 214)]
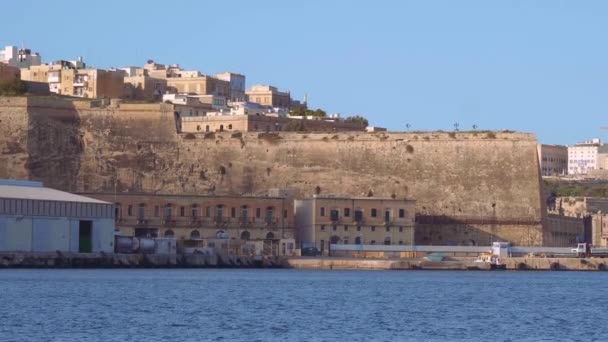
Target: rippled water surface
[(293, 305)]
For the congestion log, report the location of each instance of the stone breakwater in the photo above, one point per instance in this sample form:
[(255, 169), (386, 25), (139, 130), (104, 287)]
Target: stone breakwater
[(103, 260)]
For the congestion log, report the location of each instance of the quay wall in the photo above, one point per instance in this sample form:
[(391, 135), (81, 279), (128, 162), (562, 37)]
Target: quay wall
[(470, 187)]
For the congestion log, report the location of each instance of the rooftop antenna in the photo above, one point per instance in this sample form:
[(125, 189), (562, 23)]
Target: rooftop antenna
[(456, 125)]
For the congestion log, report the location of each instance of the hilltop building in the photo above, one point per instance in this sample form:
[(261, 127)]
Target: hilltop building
[(268, 96), (237, 85), (19, 58), (553, 159), (582, 157)]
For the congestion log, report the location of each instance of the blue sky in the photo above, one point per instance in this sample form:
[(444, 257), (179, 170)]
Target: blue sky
[(532, 66)]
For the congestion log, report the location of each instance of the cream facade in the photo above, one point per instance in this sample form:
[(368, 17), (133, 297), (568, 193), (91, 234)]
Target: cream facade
[(582, 157), (221, 222), (553, 159), (322, 221), (237, 85), (268, 96)]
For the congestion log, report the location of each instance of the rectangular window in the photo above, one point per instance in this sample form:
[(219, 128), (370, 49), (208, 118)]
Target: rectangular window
[(156, 211), (373, 228), (400, 229), (322, 211), (374, 212), (388, 229), (401, 213), (346, 212), (208, 212), (358, 228), (346, 228), (182, 211), (284, 213), (322, 228), (130, 210), (335, 228), (233, 212), (258, 212), (358, 215), (333, 214)]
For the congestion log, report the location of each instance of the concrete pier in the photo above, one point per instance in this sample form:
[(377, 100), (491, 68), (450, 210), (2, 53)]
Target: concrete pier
[(515, 264)]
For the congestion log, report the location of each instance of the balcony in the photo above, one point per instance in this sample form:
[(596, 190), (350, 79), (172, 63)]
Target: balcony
[(80, 83)]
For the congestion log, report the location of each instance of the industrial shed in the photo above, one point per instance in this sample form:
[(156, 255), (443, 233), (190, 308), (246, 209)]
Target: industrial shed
[(38, 219)]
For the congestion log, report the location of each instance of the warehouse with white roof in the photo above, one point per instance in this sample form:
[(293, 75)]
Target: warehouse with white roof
[(38, 219)]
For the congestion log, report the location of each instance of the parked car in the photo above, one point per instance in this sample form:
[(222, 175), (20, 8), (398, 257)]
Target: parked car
[(310, 251)]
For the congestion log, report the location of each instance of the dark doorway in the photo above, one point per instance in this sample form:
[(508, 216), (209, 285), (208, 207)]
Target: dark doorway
[(85, 237)]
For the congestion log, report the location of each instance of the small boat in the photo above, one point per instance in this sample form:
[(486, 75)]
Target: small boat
[(492, 260)]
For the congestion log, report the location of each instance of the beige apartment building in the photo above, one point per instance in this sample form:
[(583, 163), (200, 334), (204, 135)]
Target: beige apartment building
[(144, 87), (65, 79), (268, 96), (322, 221), (198, 221), (201, 85), (553, 159)]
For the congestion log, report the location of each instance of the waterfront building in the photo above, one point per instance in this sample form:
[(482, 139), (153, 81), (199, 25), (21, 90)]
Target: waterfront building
[(325, 220), (20, 58), (225, 223), (237, 85), (553, 159), (38, 219), (582, 157), (268, 96)]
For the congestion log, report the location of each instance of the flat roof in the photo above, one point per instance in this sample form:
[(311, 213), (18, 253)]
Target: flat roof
[(361, 198), (40, 193)]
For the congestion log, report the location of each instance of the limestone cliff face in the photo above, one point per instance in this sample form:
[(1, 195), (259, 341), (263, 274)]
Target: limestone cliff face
[(484, 182)]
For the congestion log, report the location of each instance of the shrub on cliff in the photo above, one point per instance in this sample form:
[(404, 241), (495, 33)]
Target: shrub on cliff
[(12, 88)]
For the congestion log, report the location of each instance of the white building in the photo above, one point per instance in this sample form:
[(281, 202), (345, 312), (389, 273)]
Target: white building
[(237, 85), (582, 157), (38, 219), (20, 58)]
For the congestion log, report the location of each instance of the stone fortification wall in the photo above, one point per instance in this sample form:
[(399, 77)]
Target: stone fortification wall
[(488, 182)]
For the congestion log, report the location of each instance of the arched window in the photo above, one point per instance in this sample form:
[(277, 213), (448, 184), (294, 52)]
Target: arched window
[(195, 235), (358, 240), (387, 241), (245, 235), (195, 210), (270, 236), (221, 128), (335, 239), (207, 128), (229, 126), (169, 234)]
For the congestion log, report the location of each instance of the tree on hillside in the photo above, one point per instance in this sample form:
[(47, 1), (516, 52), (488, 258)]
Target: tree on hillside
[(357, 119), (13, 87)]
